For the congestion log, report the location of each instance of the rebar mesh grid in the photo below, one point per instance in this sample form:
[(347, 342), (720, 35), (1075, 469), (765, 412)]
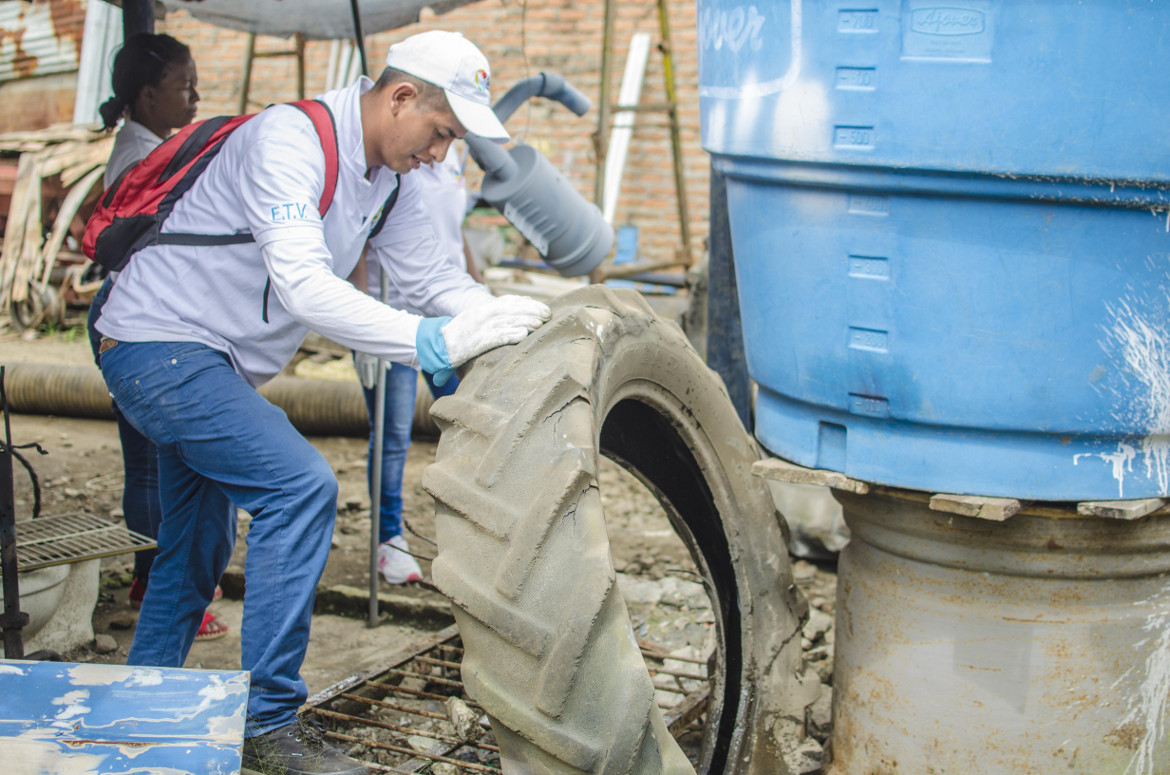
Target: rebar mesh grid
[(412, 715)]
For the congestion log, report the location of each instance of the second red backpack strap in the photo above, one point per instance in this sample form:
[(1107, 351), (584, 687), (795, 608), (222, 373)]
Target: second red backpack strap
[(322, 118)]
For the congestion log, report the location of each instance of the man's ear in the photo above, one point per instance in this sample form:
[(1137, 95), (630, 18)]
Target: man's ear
[(402, 93)]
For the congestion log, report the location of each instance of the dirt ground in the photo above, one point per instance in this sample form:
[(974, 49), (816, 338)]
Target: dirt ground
[(82, 472)]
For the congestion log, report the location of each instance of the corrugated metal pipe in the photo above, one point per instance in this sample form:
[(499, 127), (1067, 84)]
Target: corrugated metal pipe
[(316, 407)]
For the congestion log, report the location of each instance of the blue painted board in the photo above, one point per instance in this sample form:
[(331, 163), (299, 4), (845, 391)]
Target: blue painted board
[(63, 717)]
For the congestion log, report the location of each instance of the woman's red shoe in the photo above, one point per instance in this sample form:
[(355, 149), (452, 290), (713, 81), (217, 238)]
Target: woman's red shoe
[(211, 628)]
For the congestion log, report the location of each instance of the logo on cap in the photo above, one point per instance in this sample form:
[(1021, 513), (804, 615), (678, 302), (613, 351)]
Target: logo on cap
[(482, 79)]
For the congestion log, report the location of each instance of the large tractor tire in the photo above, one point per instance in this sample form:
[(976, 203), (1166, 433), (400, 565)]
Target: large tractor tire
[(525, 559)]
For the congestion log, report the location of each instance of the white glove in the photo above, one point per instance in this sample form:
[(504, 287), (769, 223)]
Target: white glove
[(366, 366), (503, 320)]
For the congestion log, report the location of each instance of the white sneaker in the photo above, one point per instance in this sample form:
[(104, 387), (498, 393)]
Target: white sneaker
[(395, 563)]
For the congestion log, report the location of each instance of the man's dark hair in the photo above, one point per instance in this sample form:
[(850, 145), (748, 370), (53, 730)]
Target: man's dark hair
[(430, 96)]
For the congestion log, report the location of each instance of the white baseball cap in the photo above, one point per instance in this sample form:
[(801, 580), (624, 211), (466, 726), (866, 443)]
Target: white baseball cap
[(454, 64)]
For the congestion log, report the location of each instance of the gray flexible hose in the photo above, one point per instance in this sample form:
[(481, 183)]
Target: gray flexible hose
[(548, 85)]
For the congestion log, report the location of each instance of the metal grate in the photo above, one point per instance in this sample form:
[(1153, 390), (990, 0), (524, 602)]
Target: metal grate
[(69, 538), (396, 712)]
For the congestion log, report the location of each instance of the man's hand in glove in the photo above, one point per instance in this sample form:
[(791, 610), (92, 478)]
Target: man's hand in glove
[(444, 343)]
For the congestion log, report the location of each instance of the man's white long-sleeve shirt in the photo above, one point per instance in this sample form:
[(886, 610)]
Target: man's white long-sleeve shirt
[(256, 301), (444, 196)]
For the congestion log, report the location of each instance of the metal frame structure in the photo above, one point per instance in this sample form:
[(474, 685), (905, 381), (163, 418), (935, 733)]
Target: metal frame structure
[(44, 541)]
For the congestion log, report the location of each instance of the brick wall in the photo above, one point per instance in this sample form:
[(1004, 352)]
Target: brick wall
[(522, 38)]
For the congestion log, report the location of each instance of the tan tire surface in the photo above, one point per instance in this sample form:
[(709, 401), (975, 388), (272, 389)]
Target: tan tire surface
[(524, 555)]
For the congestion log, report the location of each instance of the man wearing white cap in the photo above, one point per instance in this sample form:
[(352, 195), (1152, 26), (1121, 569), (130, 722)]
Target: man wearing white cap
[(190, 330)]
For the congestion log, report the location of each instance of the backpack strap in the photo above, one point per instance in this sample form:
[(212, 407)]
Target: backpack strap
[(192, 142), (322, 118), (387, 207)]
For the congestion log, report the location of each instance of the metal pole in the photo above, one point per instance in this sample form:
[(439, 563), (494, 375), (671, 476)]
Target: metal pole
[(299, 39), (379, 392), (13, 619), (358, 38), (137, 16), (376, 473), (725, 351), (246, 81)]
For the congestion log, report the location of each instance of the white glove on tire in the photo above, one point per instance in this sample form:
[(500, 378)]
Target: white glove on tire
[(503, 320)]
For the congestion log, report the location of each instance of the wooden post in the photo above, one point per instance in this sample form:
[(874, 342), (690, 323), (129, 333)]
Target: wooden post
[(680, 185), (601, 139)]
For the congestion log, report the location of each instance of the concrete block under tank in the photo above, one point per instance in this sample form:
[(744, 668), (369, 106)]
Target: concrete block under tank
[(1037, 644)]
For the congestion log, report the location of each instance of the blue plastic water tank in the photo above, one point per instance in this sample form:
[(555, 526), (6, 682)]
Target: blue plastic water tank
[(951, 227)]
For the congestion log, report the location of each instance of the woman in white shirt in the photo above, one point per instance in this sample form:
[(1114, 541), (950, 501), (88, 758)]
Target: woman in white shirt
[(154, 80), (154, 83), (445, 197)]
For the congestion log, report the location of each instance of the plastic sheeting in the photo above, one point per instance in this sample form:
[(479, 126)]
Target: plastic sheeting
[(313, 18)]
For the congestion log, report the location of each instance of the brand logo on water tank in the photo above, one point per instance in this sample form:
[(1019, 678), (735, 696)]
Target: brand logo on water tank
[(731, 29), (947, 21)]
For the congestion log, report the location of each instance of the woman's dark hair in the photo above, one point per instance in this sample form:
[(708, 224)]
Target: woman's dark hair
[(140, 62)]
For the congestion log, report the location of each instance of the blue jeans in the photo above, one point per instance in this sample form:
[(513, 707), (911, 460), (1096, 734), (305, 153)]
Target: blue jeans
[(140, 503), (401, 384), (221, 446)]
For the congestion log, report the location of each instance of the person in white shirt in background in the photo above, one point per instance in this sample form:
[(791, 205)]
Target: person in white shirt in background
[(154, 80), (446, 199), (189, 331)]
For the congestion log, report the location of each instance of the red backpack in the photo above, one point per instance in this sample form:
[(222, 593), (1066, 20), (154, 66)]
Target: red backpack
[(132, 211)]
